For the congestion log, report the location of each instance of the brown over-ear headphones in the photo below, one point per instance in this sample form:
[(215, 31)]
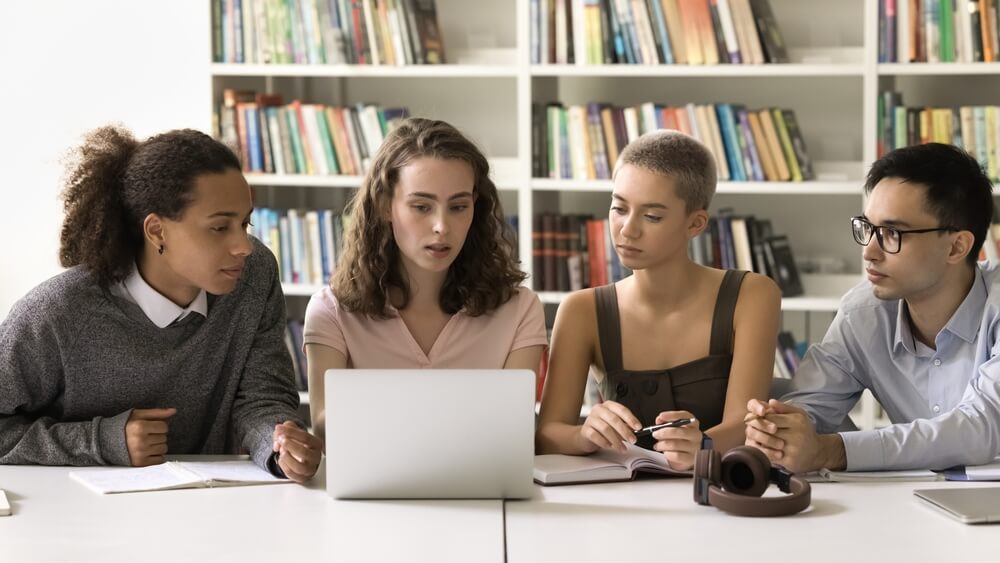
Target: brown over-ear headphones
[(735, 482)]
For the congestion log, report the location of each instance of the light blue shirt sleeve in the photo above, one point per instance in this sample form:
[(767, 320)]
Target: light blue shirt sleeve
[(969, 434), (826, 384), (944, 401)]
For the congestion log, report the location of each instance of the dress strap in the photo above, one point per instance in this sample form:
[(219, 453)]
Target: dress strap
[(725, 307), (609, 328)]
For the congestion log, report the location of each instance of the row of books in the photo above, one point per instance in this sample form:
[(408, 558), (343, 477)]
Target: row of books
[(745, 242), (973, 128), (692, 32), (938, 31), (293, 342), (582, 142), (571, 252), (306, 243), (303, 138), (389, 32), (787, 355)]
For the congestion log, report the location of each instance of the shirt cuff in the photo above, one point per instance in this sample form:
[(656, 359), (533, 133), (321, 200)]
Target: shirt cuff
[(864, 450), (273, 467)]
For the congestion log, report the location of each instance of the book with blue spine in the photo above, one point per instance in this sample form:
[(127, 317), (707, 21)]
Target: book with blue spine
[(730, 143)]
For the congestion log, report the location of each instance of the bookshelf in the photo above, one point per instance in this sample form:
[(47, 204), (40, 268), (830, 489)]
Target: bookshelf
[(488, 87)]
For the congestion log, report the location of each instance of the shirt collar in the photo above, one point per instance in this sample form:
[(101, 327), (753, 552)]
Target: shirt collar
[(964, 323), (966, 320), (160, 310)]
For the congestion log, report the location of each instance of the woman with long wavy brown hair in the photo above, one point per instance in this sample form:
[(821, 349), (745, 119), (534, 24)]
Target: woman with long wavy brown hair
[(428, 277)]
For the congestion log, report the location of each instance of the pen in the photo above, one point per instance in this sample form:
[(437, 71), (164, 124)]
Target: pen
[(670, 424)]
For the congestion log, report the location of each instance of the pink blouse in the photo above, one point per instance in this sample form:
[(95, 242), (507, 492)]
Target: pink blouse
[(482, 342)]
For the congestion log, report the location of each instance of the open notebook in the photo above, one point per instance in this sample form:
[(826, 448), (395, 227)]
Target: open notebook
[(601, 466), (174, 475)]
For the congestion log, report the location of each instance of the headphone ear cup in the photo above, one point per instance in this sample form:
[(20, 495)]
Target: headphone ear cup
[(745, 470)]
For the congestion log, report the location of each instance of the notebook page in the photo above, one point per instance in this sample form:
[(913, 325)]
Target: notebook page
[(232, 472), (556, 463), (648, 460), (132, 479)]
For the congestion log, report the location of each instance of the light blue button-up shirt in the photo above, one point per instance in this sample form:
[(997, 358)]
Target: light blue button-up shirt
[(944, 404)]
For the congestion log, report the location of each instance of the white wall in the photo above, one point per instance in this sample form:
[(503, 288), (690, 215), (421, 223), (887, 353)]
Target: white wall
[(67, 67)]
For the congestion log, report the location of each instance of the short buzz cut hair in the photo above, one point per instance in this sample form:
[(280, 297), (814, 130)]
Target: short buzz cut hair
[(679, 156)]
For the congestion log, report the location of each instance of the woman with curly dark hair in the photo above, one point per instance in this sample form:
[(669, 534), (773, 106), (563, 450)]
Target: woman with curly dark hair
[(165, 333), (428, 277)]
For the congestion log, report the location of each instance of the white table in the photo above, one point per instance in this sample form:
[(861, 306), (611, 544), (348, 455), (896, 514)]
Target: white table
[(57, 519), (658, 520)]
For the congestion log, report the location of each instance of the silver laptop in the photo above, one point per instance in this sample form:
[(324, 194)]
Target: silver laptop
[(428, 433), (978, 505)]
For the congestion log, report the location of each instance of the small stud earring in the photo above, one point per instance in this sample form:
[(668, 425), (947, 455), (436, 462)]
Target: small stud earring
[(161, 249)]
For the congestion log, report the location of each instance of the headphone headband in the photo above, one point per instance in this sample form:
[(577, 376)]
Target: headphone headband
[(742, 505), (735, 482)]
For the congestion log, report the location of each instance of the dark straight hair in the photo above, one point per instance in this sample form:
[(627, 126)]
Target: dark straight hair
[(958, 192)]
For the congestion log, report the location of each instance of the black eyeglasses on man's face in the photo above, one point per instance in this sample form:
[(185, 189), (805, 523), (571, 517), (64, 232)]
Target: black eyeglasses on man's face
[(889, 238)]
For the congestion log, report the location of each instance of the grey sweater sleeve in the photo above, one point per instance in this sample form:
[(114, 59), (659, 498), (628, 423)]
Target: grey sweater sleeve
[(31, 380), (266, 396)]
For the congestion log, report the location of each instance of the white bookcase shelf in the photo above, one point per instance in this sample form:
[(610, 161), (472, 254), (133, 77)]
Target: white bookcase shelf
[(300, 289), (823, 293), (489, 93), (737, 188), (832, 84), (365, 71), (939, 69), (302, 180), (704, 71), (504, 176)]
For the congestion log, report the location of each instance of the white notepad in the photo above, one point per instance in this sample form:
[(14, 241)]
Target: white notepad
[(174, 475), (915, 475)]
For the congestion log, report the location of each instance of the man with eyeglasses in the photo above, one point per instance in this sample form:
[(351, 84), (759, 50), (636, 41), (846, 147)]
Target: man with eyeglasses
[(921, 332)]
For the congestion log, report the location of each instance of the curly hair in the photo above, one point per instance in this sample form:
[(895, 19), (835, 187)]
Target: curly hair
[(115, 181), (483, 276)]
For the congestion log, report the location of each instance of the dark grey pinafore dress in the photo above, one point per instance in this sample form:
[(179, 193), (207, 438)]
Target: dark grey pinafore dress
[(698, 386)]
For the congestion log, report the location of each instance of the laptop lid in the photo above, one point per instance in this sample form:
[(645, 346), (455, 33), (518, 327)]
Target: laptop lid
[(977, 505), (428, 433)]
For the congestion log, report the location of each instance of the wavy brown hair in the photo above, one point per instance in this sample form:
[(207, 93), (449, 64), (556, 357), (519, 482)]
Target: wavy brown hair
[(483, 276), (114, 181)]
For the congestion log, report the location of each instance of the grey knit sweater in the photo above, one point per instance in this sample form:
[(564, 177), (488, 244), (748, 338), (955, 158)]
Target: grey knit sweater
[(75, 361)]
